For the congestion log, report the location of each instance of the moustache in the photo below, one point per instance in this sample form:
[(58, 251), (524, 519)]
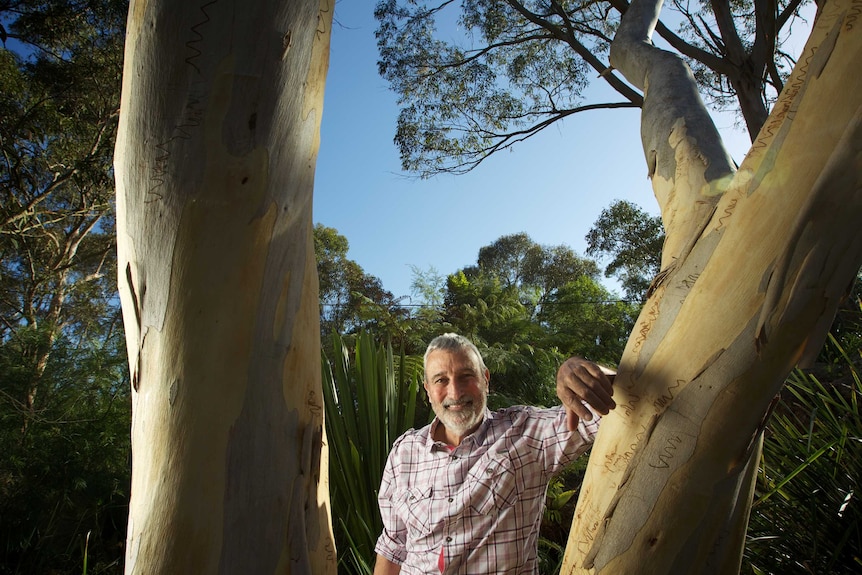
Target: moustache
[(450, 403)]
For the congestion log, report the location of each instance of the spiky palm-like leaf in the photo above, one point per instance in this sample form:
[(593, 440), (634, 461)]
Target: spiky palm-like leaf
[(370, 401), (807, 516)]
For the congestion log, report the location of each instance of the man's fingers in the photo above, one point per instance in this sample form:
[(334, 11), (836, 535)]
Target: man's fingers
[(583, 381), (575, 407), (594, 392), (593, 374), (572, 420), (598, 400)]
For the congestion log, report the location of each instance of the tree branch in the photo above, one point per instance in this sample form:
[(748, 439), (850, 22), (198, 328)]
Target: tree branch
[(685, 156), (788, 12), (709, 60), (569, 38), (727, 28), (507, 140)]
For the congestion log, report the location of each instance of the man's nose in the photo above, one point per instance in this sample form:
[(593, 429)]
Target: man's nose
[(455, 389)]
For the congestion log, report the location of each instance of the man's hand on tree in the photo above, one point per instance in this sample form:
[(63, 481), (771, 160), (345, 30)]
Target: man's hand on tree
[(581, 381)]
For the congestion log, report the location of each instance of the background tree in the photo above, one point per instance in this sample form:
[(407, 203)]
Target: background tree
[(583, 318), (518, 66), (429, 289), (534, 272), (530, 306), (632, 239), (64, 481), (57, 122), (63, 387), (350, 299)]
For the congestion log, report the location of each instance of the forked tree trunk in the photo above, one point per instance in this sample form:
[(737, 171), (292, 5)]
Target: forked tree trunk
[(755, 264), (215, 160)]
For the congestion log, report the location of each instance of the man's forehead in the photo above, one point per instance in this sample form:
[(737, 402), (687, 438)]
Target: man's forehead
[(462, 361)]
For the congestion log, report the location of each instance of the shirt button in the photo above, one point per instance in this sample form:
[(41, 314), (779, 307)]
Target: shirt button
[(451, 500), (448, 540)]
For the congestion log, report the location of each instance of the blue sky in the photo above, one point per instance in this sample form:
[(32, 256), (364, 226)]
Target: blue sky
[(553, 186)]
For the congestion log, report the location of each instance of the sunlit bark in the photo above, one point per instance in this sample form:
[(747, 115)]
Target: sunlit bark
[(214, 164), (755, 264)]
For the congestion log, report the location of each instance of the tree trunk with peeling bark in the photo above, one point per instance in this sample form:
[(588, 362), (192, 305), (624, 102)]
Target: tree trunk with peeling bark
[(755, 264), (214, 164)]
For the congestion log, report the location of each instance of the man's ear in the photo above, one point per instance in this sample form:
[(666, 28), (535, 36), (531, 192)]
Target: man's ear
[(487, 379)]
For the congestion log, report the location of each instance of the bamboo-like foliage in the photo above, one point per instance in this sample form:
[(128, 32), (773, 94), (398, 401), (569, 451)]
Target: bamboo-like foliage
[(370, 401)]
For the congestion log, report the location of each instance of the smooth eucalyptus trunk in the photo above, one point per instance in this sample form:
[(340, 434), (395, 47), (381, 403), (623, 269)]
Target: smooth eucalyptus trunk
[(755, 264), (214, 163)]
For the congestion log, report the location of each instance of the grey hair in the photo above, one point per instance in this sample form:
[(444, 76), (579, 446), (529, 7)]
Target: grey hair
[(453, 342)]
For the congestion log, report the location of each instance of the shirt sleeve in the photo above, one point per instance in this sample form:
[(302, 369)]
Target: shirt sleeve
[(562, 446), (392, 541)]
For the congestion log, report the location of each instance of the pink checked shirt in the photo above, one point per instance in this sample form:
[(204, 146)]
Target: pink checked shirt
[(475, 509)]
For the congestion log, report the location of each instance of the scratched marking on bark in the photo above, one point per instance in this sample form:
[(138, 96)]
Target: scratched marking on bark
[(728, 211), (686, 284), (321, 22), (193, 117), (615, 461), (853, 15), (646, 326), (591, 528), (784, 106), (667, 453), (665, 400), (199, 38), (629, 406), (314, 406), (689, 281)]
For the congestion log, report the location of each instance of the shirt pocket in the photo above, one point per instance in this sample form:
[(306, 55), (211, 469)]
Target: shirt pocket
[(414, 506), (491, 486)]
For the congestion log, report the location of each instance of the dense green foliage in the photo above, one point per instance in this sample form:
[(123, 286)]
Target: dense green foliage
[(64, 470), (64, 405), (478, 76), (807, 516)]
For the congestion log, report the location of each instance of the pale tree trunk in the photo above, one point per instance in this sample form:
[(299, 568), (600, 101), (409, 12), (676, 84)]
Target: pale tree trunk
[(215, 159), (755, 264)]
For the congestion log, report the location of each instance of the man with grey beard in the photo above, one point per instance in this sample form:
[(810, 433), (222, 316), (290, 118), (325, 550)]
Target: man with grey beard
[(465, 494)]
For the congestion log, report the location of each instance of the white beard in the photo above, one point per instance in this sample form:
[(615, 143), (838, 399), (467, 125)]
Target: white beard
[(465, 420)]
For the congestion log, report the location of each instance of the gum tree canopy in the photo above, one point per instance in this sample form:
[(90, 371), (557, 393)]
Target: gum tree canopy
[(524, 64), (215, 157)]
